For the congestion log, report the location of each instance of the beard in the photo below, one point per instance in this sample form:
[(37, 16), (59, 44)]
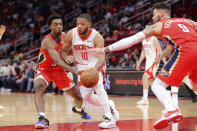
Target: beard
[(85, 31)]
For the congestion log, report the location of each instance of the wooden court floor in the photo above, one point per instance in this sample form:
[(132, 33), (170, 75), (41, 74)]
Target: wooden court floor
[(20, 110)]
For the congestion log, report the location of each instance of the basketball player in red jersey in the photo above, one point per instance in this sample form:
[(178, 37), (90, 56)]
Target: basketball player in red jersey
[(52, 68), (181, 36), (79, 39)]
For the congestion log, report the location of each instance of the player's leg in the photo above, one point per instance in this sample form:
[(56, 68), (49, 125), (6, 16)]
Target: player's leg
[(75, 94), (64, 83), (174, 93), (40, 85), (145, 81), (97, 96), (188, 87), (172, 114), (193, 78)]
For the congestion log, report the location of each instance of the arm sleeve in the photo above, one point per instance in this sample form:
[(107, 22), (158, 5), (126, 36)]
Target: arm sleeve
[(127, 42)]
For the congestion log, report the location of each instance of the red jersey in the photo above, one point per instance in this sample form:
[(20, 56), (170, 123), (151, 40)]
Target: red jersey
[(45, 62), (180, 31)]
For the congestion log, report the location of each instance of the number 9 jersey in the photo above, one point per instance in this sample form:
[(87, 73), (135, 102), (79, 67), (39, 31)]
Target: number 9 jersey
[(177, 31), (181, 35), (85, 60)]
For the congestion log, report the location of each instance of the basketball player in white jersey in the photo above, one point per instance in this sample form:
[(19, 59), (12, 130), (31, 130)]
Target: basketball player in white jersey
[(151, 49), (2, 30), (79, 39)]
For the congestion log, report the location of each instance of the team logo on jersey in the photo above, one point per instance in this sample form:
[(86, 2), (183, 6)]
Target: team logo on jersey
[(164, 73)]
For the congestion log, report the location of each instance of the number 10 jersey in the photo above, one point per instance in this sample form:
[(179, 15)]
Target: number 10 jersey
[(85, 60)]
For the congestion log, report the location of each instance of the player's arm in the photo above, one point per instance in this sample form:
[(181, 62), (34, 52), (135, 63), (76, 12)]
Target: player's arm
[(2, 30), (195, 25), (132, 40), (66, 49), (142, 56), (50, 46), (99, 43), (165, 53), (159, 50)]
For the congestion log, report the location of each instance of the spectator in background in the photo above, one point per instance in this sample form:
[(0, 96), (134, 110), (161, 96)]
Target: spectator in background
[(30, 76), (14, 76)]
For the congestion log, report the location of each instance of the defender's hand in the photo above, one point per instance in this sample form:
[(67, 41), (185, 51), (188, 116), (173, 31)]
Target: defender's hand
[(70, 59)]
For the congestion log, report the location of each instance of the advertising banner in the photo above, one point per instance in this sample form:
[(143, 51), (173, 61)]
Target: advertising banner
[(129, 83)]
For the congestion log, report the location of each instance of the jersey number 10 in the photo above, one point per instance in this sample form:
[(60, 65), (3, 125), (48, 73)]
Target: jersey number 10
[(84, 55), (183, 27)]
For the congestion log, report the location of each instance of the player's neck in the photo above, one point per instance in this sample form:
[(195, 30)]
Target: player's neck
[(166, 17), (85, 35), (56, 37)]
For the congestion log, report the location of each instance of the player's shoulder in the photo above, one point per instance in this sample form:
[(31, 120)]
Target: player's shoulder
[(97, 33)]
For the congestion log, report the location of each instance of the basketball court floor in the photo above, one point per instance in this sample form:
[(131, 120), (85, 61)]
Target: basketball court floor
[(20, 114)]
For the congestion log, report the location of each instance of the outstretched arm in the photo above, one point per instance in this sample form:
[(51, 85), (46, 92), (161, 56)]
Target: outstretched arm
[(49, 45), (2, 30), (132, 40)]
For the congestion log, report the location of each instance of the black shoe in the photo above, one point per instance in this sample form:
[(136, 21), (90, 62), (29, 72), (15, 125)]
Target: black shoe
[(42, 123), (83, 114), (194, 99)]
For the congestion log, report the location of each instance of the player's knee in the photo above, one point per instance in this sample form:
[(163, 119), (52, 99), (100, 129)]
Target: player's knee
[(38, 87)]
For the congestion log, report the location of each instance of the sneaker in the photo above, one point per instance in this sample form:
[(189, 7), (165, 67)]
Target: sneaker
[(168, 118), (107, 123), (143, 102), (194, 99), (83, 114), (114, 112), (42, 123), (1, 108)]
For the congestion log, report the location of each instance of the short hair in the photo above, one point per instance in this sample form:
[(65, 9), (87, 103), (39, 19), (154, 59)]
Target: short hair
[(162, 5), (86, 16), (52, 17)]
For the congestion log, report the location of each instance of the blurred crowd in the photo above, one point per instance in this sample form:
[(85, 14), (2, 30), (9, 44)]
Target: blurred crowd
[(26, 24), (17, 76)]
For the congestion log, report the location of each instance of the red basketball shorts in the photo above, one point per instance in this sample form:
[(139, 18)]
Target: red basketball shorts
[(182, 63), (59, 77)]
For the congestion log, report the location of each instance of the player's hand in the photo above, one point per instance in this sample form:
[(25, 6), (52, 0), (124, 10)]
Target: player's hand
[(138, 66), (2, 30), (70, 59), (96, 50)]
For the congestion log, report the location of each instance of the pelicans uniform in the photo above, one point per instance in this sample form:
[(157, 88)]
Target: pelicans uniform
[(150, 54), (181, 35), (49, 71)]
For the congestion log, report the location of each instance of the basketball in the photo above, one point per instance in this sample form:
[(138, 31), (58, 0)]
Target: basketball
[(89, 78)]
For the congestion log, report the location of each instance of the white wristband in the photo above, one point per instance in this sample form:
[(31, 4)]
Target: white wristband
[(127, 42)]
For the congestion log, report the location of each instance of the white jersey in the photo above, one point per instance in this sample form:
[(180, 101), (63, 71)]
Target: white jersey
[(149, 49), (150, 52), (85, 60)]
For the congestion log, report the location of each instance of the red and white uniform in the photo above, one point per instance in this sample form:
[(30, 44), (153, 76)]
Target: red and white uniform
[(86, 60), (49, 71), (150, 53), (181, 35)]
